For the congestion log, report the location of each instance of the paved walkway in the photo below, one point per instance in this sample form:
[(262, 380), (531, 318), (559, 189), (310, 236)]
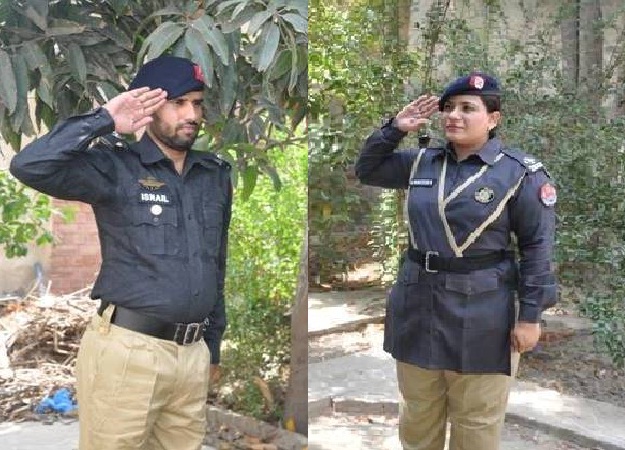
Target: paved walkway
[(37, 436), (365, 383)]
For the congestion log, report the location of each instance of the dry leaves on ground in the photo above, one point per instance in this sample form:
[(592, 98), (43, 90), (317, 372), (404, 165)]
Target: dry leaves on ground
[(39, 339)]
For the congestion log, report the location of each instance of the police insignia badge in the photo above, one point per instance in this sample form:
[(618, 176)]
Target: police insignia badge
[(484, 195), (548, 194), (476, 82), (151, 183)]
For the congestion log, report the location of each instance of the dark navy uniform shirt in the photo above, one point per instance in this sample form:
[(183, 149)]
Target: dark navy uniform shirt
[(163, 235), (463, 208)]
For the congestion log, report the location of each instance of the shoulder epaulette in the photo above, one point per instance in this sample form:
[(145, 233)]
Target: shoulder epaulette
[(113, 142), (530, 163), (217, 160)]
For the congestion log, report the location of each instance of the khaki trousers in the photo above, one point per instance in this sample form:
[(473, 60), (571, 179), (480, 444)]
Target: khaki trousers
[(475, 406), (139, 392)]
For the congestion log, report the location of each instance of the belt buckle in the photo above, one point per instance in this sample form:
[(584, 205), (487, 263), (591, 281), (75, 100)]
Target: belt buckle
[(191, 333), (428, 255)]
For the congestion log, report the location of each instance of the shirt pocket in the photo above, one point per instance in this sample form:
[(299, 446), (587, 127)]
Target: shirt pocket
[(213, 219), (417, 294), (477, 300), (155, 229)]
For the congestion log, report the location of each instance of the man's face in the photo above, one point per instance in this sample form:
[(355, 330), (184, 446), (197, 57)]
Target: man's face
[(177, 123)]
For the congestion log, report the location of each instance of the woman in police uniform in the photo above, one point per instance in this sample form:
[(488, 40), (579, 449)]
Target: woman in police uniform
[(451, 322)]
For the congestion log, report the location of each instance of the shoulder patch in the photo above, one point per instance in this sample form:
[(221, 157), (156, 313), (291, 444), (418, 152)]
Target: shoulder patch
[(113, 142), (531, 163)]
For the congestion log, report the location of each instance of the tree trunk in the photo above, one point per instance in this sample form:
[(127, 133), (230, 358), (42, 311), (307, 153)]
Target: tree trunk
[(296, 408), (570, 45), (591, 50)]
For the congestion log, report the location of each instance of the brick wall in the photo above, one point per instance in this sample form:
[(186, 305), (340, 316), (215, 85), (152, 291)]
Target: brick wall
[(75, 258)]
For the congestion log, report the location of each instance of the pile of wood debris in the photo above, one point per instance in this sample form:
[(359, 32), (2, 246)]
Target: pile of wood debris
[(39, 339)]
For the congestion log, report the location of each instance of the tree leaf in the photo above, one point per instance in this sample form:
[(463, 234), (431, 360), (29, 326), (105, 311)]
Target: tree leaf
[(35, 58), (240, 7), (271, 39), (160, 40), (77, 62), (301, 6), (118, 6), (37, 18), (41, 6), (8, 88), (273, 174), (167, 11), (201, 53), (250, 175), (228, 84), (283, 64), (64, 31), (224, 5), (230, 26), (258, 20), (299, 23), (213, 36), (45, 92), (22, 84)]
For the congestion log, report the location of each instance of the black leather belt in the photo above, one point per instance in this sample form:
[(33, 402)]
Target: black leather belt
[(433, 263), (180, 333)]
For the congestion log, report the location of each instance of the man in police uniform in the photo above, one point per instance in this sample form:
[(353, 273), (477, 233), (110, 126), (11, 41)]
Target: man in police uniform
[(450, 319), (163, 212)]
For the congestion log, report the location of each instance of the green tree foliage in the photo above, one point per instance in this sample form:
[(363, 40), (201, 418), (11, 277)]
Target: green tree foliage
[(24, 215), (357, 73), (264, 251)]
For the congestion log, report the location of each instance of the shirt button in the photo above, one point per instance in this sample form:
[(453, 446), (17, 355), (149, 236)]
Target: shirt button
[(196, 293), (156, 219), (195, 254)]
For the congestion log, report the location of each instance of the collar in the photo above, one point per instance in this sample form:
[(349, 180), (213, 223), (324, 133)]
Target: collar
[(150, 153), (487, 153)]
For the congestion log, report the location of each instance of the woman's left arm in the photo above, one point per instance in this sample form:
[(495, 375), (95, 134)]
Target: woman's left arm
[(533, 220)]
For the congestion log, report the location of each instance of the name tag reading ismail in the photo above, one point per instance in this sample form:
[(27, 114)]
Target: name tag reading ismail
[(149, 197), (422, 182)]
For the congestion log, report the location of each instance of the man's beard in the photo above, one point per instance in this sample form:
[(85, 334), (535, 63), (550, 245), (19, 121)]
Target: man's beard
[(173, 140)]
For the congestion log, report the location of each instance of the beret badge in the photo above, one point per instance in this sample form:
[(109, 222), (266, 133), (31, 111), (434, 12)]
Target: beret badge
[(476, 82), (197, 73)]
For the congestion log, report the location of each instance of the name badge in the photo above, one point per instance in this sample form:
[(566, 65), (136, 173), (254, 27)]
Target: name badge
[(150, 197), (422, 182)]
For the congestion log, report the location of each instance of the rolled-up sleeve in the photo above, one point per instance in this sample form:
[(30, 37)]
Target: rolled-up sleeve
[(379, 164), (534, 225)]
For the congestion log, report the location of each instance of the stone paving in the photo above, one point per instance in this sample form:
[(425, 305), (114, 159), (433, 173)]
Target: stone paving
[(364, 384)]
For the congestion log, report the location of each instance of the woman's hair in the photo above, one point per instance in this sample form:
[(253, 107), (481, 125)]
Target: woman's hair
[(492, 103)]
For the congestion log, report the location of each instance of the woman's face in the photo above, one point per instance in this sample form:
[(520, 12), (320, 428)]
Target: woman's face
[(466, 120)]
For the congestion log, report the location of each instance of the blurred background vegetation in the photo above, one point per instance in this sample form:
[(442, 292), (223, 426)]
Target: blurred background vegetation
[(561, 65)]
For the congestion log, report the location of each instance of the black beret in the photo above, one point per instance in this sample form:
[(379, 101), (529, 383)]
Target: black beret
[(175, 75), (475, 83)]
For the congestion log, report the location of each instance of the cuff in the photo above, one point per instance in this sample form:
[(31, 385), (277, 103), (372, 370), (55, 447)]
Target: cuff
[(391, 133), (529, 313)]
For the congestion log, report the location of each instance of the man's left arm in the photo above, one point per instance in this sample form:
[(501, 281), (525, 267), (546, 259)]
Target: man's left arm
[(217, 318)]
